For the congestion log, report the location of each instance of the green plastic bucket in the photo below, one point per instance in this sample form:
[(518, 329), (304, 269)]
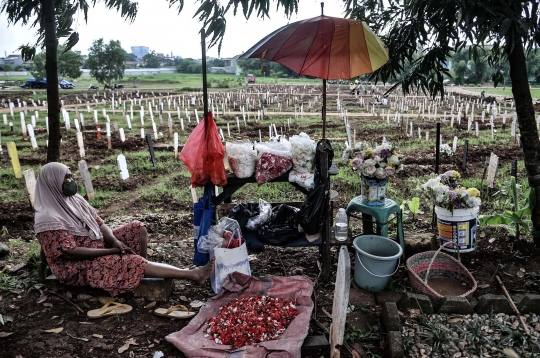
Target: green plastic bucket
[(376, 260)]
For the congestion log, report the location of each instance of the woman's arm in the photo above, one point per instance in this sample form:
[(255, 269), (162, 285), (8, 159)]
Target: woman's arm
[(109, 238), (85, 253)]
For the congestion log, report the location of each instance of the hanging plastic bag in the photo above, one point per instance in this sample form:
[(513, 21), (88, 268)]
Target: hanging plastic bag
[(203, 155), (312, 214), (203, 212), (242, 159), (304, 179), (303, 153), (273, 161)]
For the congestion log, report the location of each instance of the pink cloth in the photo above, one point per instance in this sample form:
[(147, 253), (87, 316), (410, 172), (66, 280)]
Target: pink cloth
[(191, 341)]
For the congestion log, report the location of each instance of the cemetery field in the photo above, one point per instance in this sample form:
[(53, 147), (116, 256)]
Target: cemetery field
[(503, 91), (169, 81), (158, 195)]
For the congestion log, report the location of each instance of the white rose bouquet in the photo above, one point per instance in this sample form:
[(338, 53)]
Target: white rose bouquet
[(446, 150), (444, 191), (380, 162)]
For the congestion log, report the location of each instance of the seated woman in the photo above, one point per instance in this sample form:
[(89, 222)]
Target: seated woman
[(82, 250)]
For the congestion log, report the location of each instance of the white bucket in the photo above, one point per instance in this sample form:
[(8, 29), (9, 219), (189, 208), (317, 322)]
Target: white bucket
[(458, 227)]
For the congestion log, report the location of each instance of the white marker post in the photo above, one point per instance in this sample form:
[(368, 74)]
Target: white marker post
[(30, 181), (109, 144), (175, 144), (80, 144), (32, 136), (122, 165)]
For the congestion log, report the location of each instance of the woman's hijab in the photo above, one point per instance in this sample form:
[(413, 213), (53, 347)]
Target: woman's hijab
[(56, 211)]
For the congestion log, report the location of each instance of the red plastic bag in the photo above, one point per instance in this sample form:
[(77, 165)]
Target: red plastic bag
[(203, 155)]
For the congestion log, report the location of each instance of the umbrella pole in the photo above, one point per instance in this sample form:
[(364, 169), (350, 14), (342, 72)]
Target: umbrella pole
[(323, 109), (205, 84)]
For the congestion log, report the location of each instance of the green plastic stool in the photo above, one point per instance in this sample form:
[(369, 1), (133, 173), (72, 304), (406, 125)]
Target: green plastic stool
[(380, 213)]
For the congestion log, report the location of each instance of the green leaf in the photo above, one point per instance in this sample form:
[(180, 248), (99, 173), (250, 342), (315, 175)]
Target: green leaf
[(414, 205), (495, 220)]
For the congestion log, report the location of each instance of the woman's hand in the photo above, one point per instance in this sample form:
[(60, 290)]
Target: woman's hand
[(124, 249)]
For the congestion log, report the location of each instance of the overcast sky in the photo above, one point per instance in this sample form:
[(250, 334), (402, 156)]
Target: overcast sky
[(164, 30)]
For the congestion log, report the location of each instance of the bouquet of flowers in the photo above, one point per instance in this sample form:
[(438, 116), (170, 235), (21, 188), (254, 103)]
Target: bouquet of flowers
[(444, 191), (446, 150), (380, 162)]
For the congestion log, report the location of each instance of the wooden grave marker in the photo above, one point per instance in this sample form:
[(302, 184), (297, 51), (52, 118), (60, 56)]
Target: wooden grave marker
[(122, 165), (151, 149), (30, 181), (83, 169), (341, 301), (465, 153), (15, 164), (492, 170)]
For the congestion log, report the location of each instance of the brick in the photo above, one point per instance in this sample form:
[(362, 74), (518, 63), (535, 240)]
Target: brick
[(493, 303), (394, 344), (362, 321), (416, 301), (415, 243), (388, 296), (473, 301), (530, 304), (154, 289), (390, 317), (315, 347), (459, 305), (361, 298)]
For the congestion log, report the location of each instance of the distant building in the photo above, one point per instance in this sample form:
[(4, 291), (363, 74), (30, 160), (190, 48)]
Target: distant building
[(230, 66), (12, 60), (140, 51)]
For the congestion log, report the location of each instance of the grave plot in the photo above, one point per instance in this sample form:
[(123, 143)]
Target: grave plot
[(123, 148)]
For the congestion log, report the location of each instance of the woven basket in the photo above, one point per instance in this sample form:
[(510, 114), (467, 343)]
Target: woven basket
[(444, 266)]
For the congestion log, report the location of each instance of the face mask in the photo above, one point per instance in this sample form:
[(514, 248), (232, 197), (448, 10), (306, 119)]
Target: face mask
[(70, 189)]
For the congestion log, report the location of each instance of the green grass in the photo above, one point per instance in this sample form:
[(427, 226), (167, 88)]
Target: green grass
[(502, 91), (168, 81), (166, 184)]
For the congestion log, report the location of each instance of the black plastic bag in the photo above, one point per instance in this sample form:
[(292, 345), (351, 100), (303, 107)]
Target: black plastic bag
[(243, 212), (312, 213), (282, 228), (323, 145)]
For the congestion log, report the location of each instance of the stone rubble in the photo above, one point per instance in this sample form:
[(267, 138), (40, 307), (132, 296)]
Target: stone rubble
[(469, 336)]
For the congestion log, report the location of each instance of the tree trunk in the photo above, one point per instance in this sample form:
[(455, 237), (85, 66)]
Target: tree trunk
[(51, 68), (527, 126)]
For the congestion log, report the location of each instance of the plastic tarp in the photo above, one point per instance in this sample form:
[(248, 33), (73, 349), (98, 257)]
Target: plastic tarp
[(191, 339)]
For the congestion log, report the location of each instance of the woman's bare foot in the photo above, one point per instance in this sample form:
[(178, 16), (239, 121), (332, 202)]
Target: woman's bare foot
[(203, 273)]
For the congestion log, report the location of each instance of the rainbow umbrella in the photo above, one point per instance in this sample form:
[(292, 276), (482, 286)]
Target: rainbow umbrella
[(323, 47)]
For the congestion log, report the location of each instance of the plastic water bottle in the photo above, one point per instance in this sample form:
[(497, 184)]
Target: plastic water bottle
[(342, 226)]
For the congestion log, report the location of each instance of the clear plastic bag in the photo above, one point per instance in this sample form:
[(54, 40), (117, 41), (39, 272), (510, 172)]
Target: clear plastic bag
[(304, 179), (220, 235), (303, 153), (265, 213), (242, 159), (273, 161)]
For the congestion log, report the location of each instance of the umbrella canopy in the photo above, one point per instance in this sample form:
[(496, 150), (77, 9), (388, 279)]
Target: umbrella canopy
[(323, 47)]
